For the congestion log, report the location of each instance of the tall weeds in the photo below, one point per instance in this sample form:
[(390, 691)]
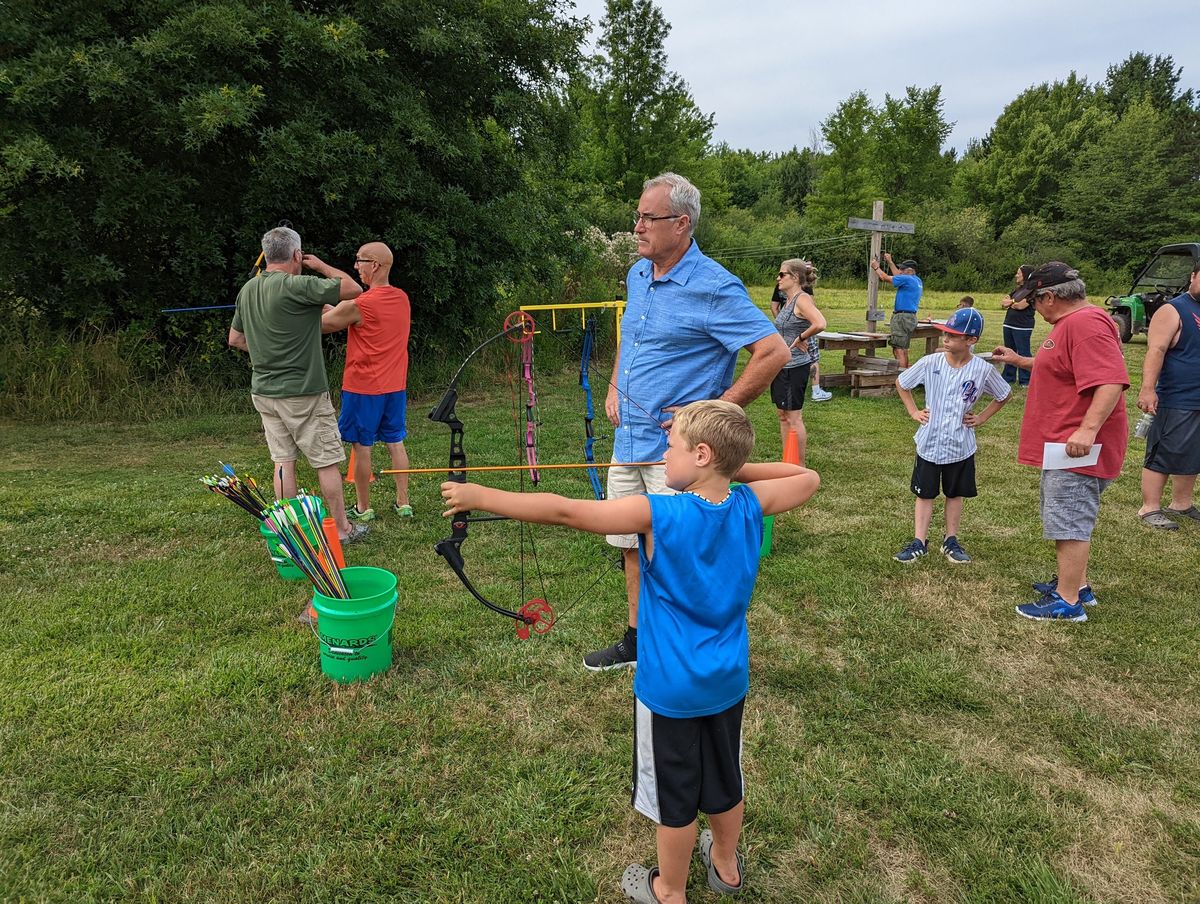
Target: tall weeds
[(133, 376), (101, 375)]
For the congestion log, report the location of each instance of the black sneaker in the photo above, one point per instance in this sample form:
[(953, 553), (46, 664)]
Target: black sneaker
[(913, 551), (619, 656), (953, 550)]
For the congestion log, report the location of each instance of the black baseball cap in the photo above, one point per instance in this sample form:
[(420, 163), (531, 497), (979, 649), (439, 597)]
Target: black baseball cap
[(909, 264), (1054, 273)]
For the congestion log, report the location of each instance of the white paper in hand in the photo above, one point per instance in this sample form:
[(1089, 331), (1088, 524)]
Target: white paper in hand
[(1055, 457)]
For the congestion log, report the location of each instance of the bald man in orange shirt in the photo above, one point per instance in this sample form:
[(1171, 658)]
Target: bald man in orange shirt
[(376, 375)]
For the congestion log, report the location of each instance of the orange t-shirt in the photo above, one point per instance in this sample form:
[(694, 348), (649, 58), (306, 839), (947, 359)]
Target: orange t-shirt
[(377, 348)]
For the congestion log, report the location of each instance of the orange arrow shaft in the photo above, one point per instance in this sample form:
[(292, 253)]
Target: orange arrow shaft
[(525, 467)]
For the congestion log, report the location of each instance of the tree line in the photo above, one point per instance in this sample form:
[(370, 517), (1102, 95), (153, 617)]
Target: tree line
[(144, 148)]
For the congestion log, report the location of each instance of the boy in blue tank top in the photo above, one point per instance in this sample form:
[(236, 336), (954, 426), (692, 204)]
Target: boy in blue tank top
[(699, 558)]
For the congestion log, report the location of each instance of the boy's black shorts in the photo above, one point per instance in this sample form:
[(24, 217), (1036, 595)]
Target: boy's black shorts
[(955, 479), (685, 766)]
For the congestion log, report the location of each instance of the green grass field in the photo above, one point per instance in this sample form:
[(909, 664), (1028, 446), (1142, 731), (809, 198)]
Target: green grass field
[(167, 734)]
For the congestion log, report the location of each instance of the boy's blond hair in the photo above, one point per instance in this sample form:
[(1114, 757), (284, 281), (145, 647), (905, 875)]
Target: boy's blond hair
[(723, 427)]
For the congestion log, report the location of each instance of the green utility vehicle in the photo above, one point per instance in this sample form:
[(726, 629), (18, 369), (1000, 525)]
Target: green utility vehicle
[(1166, 276)]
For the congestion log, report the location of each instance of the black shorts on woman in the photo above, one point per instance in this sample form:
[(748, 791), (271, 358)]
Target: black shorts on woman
[(790, 386)]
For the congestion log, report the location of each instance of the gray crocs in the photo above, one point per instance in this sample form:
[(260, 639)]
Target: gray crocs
[(1190, 512), (715, 882), (637, 883), (1158, 519)]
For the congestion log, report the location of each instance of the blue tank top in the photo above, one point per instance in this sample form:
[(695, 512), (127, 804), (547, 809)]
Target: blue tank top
[(1179, 380), (693, 643)]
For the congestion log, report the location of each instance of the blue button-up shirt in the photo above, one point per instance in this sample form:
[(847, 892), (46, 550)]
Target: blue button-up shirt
[(680, 338)]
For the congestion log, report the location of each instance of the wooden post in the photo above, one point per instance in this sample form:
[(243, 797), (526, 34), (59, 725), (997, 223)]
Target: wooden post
[(877, 226), (873, 315)]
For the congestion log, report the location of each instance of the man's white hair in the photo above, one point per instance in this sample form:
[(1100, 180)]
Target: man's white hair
[(279, 244), (684, 197)]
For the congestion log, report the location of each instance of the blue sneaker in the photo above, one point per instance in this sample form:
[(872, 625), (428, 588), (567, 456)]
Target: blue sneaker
[(1086, 594), (911, 552), (1053, 607), (953, 550)]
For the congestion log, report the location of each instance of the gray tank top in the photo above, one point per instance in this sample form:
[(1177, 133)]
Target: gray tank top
[(790, 327)]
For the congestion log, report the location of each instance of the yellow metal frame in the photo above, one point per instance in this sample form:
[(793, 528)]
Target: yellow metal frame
[(582, 307)]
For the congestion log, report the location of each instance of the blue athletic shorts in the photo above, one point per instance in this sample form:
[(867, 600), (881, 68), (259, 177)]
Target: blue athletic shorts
[(366, 418)]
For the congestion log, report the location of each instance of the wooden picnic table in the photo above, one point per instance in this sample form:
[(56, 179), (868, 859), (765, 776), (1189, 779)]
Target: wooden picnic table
[(862, 370)]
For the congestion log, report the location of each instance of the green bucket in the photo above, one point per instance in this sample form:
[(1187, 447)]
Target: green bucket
[(768, 531), (283, 564), (768, 536), (356, 634)]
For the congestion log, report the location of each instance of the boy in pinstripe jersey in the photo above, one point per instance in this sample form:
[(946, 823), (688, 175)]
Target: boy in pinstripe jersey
[(954, 379)]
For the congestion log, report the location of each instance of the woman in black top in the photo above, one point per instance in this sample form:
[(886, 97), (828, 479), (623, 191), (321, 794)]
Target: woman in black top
[(1018, 328)]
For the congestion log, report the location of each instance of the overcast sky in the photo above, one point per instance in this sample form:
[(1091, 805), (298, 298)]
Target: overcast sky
[(771, 70)]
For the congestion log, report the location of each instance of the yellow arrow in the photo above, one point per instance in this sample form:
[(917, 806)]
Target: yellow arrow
[(524, 467)]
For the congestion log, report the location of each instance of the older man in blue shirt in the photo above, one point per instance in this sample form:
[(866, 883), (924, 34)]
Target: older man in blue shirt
[(685, 321)]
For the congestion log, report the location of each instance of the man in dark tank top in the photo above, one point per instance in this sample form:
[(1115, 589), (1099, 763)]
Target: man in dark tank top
[(1171, 394)]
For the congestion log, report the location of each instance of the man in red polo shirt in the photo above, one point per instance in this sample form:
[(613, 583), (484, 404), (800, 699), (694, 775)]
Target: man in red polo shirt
[(376, 374), (1076, 397)]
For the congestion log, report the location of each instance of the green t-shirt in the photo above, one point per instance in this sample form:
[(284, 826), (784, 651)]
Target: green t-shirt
[(281, 317)]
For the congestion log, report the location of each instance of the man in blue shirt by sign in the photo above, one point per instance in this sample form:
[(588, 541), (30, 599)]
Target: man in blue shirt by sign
[(904, 310), (685, 321)]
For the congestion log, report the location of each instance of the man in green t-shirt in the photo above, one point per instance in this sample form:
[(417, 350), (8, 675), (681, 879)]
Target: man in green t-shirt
[(278, 321)]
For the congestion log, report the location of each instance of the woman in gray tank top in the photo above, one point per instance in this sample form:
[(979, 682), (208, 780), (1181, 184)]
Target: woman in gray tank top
[(798, 320)]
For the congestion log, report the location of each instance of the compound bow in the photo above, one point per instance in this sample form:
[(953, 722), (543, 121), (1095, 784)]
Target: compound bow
[(535, 616)]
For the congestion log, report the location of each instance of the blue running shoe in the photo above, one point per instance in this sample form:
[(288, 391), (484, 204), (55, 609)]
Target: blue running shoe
[(1044, 587), (1053, 607), (911, 552), (953, 550), (1086, 595)]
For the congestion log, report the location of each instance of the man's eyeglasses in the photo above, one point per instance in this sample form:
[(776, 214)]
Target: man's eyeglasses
[(364, 260), (650, 218)]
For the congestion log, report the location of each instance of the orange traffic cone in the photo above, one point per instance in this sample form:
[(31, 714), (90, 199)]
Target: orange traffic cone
[(791, 448), (350, 469), (329, 529)]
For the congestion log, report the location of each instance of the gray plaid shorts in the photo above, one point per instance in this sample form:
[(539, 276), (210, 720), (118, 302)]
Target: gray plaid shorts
[(1070, 504)]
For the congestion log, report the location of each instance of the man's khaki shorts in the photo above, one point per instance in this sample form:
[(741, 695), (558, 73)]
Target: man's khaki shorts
[(903, 324), (634, 482), (301, 424)]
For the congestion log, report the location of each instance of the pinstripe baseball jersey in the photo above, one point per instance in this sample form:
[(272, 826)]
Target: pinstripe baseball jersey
[(949, 394)]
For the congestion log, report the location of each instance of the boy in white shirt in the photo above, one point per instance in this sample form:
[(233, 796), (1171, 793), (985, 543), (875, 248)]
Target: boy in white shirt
[(954, 379)]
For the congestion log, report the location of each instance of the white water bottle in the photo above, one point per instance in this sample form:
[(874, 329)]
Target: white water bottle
[(1143, 425)]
